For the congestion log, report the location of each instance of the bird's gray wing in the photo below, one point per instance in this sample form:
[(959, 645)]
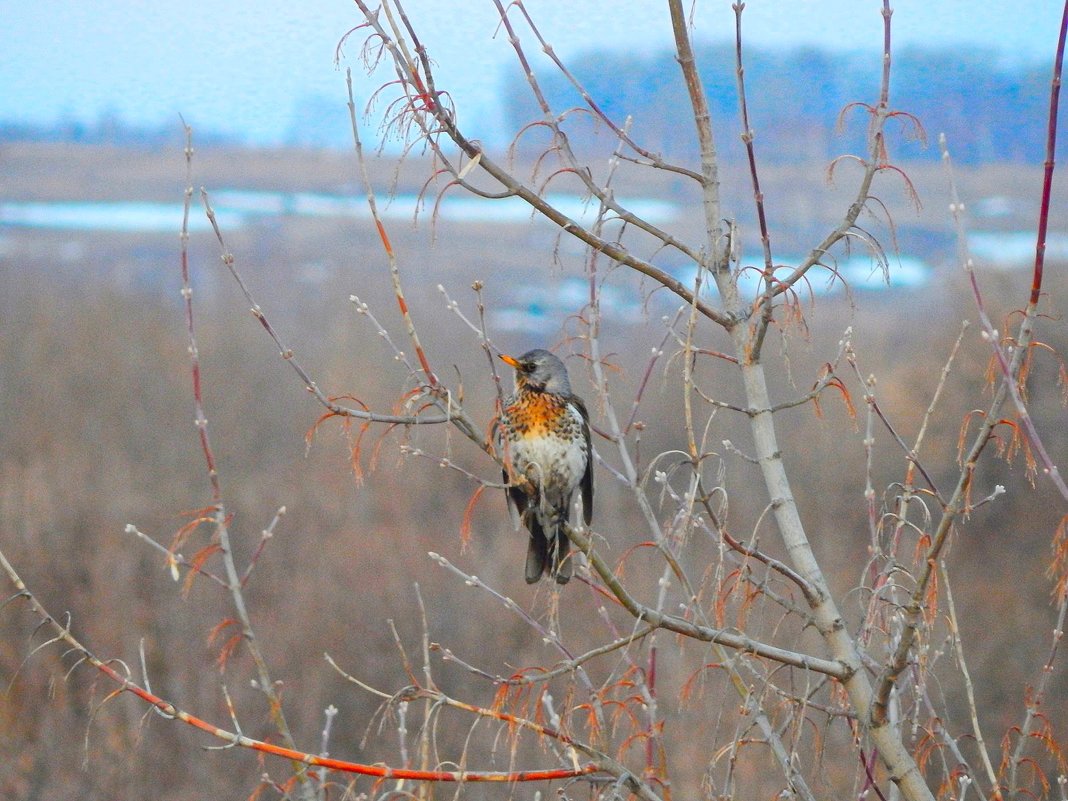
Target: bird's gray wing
[(587, 477)]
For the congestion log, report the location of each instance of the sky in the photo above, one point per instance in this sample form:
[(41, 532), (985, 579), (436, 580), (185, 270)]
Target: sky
[(242, 67)]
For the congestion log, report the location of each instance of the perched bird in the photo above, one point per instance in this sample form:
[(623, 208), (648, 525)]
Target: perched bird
[(545, 432)]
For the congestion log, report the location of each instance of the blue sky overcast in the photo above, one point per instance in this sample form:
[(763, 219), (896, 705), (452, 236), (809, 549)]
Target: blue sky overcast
[(242, 67)]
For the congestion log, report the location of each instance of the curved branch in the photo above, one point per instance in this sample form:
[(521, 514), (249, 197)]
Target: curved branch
[(739, 642), (444, 118)]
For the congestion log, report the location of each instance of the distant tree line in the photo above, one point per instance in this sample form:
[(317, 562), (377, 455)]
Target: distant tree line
[(109, 128), (990, 110)]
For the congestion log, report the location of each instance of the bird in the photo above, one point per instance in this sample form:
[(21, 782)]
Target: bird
[(545, 433)]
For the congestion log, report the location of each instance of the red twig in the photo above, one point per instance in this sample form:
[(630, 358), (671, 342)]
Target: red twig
[(761, 326), (656, 354), (1011, 370), (1047, 175), (1038, 695), (187, 298), (170, 711), (265, 535)]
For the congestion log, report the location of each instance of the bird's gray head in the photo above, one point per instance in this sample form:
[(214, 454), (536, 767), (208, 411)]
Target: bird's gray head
[(540, 371)]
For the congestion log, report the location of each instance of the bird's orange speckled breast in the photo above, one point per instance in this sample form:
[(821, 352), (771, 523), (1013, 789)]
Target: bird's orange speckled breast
[(534, 414)]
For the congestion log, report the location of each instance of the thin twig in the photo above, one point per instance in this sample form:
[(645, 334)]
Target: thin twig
[(768, 272), (222, 533), (969, 689)]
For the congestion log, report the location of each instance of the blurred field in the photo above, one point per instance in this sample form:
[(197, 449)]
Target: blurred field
[(96, 431)]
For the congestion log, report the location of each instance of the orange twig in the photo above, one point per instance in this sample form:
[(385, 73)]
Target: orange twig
[(169, 710)]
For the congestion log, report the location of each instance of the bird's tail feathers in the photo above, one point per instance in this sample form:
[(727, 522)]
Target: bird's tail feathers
[(547, 554), (561, 561), (537, 550)]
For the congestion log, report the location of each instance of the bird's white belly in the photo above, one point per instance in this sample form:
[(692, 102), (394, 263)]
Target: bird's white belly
[(554, 464)]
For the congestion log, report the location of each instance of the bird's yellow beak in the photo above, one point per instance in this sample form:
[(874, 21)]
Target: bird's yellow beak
[(509, 360)]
